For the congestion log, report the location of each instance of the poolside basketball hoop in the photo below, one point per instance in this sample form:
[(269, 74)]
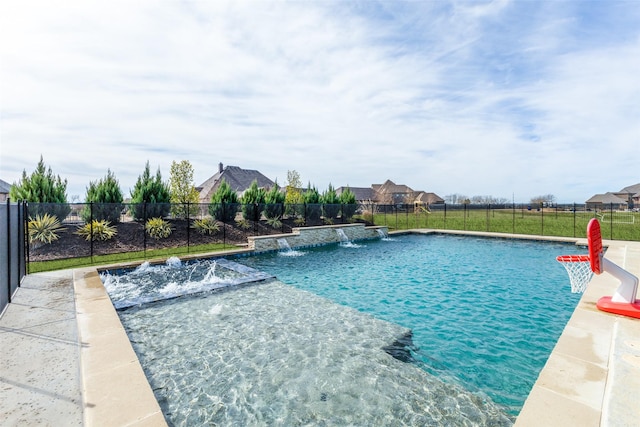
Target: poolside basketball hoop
[(579, 269), (582, 267)]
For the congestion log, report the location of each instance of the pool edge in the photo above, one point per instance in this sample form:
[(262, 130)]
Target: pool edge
[(115, 390)]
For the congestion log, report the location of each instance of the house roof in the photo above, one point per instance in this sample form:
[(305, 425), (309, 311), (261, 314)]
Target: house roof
[(4, 187), (632, 189), (428, 198), (361, 193), (606, 198), (391, 187), (238, 179)]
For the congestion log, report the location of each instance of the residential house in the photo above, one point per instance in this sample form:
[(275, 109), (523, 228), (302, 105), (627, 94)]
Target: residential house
[(627, 198), (362, 194), (600, 201), (4, 190), (238, 179), (631, 194), (391, 193)]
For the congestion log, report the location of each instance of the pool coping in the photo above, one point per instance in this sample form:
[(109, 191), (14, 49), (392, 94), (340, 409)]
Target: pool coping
[(590, 378)]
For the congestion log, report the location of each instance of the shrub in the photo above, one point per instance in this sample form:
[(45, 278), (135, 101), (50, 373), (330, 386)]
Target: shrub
[(44, 229), (313, 208), (330, 204), (97, 230), (150, 196), (224, 203), (245, 224), (158, 228), (274, 200), (104, 199), (206, 226), (274, 222), (348, 202), (46, 193), (253, 202)]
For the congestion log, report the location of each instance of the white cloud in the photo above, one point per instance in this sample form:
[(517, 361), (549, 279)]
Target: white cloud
[(465, 97)]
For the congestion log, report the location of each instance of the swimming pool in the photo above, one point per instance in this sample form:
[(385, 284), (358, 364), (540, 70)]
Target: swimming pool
[(485, 314)]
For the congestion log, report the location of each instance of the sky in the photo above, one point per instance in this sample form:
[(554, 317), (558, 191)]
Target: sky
[(511, 99)]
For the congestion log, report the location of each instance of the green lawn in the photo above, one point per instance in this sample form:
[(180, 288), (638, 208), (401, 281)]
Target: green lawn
[(616, 226)]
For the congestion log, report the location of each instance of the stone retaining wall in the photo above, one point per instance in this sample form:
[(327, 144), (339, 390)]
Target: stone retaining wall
[(313, 236)]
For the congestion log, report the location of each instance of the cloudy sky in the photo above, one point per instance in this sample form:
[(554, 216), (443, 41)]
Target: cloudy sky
[(511, 99)]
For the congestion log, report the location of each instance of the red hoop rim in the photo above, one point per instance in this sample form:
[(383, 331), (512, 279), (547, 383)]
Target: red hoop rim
[(594, 240), (573, 258)]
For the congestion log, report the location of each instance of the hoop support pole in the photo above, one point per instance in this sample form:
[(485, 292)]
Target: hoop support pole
[(626, 292), (624, 300)]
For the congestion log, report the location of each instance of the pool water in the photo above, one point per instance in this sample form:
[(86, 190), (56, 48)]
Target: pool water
[(484, 314)]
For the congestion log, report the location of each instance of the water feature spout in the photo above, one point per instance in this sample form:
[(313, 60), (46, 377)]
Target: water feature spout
[(342, 235), (283, 245), (286, 250), (382, 233), (211, 274)]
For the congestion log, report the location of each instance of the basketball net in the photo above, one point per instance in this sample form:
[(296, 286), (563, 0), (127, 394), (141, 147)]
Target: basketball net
[(579, 269)]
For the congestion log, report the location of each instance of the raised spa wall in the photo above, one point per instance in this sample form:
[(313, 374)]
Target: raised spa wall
[(314, 236)]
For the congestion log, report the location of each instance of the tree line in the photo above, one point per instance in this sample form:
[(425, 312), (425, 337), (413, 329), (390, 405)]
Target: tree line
[(152, 197)]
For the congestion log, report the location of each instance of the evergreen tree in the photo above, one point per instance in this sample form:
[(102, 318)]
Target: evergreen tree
[(274, 200), (253, 202), (311, 199), (104, 199), (224, 203), (330, 203), (150, 197), (45, 192), (348, 202)]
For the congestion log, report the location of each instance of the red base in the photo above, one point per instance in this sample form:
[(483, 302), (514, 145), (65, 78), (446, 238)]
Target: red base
[(623, 308)]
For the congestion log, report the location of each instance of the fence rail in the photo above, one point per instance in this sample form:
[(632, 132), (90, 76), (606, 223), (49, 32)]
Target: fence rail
[(231, 224), (567, 220), (12, 250)]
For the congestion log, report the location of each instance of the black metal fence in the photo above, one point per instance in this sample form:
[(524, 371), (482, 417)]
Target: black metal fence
[(566, 220), (196, 228), (12, 250), (82, 235)]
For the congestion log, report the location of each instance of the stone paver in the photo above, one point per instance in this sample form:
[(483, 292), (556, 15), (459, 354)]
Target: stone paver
[(40, 369)]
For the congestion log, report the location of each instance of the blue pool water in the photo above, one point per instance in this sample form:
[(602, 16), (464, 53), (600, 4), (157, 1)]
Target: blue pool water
[(485, 313), (306, 349)]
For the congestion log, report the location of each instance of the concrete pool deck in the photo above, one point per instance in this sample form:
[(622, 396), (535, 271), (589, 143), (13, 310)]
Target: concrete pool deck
[(67, 359)]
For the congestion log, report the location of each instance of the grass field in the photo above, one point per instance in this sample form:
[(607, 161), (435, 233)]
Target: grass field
[(614, 225)]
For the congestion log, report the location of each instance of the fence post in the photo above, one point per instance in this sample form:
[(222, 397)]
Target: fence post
[(22, 227), (25, 215), (91, 229), (8, 234), (488, 215), (224, 224), (444, 221), (188, 235), (611, 220), (541, 219), (513, 220), (574, 219), (406, 209), (144, 229)]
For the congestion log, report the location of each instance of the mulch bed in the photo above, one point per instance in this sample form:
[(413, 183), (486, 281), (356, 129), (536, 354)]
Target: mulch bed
[(131, 237)]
